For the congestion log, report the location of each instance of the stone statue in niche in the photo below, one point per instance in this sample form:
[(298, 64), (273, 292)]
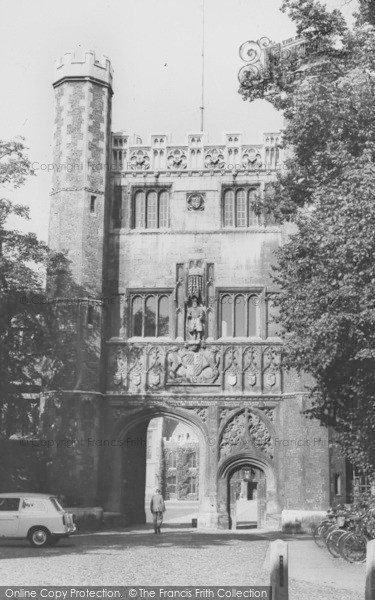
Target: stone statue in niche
[(195, 319)]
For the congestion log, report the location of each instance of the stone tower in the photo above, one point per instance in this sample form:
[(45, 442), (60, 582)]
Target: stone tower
[(78, 225), (83, 92)]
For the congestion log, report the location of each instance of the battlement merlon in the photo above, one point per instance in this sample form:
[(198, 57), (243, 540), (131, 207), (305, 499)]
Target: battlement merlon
[(83, 65)]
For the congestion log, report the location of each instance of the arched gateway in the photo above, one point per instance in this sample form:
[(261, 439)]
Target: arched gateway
[(126, 463), (174, 316)]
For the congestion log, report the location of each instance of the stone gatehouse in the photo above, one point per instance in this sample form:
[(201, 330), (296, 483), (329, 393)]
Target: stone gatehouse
[(172, 275)]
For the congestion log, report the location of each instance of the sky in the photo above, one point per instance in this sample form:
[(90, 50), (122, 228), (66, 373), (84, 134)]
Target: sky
[(155, 50)]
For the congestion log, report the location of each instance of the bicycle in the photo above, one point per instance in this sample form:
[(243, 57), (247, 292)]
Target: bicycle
[(336, 536), (353, 546), (325, 527)]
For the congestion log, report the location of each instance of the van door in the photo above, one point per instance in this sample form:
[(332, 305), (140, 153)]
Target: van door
[(9, 516)]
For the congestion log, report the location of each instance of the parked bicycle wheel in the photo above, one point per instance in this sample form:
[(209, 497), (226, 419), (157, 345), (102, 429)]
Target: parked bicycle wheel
[(333, 541), (353, 547), (322, 533), (316, 533)]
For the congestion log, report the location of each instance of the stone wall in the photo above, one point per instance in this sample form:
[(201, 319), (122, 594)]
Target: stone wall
[(302, 457)]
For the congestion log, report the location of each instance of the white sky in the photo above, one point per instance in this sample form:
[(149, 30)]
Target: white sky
[(155, 48)]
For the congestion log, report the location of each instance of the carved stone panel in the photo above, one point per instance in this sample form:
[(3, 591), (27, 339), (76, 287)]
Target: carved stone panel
[(252, 361), (270, 413), (246, 430), (251, 159), (232, 368), (155, 367), (140, 160), (200, 412), (120, 368), (177, 159), (135, 370), (214, 159), (195, 201), (224, 412), (272, 369), (188, 366)]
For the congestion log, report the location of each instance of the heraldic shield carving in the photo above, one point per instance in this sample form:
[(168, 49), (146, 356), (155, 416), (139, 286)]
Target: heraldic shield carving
[(192, 366)]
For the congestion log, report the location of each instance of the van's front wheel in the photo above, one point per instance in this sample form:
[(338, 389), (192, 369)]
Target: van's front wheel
[(39, 537)]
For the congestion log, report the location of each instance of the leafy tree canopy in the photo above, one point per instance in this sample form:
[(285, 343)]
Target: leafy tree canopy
[(29, 356), (326, 271)]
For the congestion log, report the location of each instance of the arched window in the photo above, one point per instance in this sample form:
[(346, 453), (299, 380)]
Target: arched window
[(150, 317), (151, 213), (137, 316), (163, 209), (227, 316), (163, 317), (253, 218), (229, 208), (252, 315), (151, 207), (240, 208), (239, 316), (139, 209)]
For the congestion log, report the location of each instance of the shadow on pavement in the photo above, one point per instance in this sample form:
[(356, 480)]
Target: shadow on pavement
[(172, 535)]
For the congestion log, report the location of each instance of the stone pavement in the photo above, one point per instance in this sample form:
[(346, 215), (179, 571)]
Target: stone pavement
[(315, 574), (180, 556)]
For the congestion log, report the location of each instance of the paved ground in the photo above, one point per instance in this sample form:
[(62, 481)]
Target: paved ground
[(180, 556)]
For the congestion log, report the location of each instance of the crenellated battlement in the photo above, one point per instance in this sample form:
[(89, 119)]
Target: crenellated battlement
[(129, 153), (83, 64)]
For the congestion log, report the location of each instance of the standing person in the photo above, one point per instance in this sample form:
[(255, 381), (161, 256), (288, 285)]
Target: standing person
[(157, 508)]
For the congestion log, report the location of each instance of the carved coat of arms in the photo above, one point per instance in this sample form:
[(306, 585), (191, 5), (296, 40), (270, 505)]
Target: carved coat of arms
[(191, 366)]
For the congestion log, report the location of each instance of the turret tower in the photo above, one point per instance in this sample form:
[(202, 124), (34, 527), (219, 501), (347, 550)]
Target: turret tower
[(78, 226), (83, 91)]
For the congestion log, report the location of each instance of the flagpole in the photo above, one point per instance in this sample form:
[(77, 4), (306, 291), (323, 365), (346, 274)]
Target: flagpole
[(202, 99)]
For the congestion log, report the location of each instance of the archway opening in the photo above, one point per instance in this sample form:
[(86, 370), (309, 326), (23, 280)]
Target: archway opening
[(156, 448), (247, 497), (173, 466)]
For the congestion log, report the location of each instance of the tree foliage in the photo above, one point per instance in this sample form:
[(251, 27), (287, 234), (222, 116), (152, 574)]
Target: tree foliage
[(326, 271), (30, 359)]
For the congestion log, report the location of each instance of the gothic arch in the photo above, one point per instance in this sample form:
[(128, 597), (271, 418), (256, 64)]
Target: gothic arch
[(248, 457), (130, 419), (126, 421), (253, 457), (230, 414), (246, 429)]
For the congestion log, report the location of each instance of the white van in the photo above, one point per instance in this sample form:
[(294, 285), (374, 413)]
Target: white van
[(40, 518)]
